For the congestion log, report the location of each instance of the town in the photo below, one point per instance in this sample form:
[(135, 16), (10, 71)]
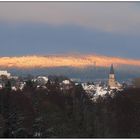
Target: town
[(93, 89)]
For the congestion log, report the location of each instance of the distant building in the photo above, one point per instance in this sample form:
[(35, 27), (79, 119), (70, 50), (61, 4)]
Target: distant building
[(42, 80), (112, 83), (66, 82), (66, 85), (5, 73)]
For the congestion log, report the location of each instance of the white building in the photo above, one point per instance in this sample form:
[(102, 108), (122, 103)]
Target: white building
[(66, 82), (42, 80), (66, 85), (5, 73)]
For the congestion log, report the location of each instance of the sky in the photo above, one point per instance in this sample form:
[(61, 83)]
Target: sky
[(70, 28)]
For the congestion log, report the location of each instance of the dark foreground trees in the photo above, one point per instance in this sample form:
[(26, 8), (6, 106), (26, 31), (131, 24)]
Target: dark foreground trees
[(55, 113)]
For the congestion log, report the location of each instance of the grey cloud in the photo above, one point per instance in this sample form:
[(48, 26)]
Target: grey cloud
[(105, 16)]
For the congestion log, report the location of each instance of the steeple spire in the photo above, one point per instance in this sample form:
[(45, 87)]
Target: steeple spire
[(112, 83), (111, 69)]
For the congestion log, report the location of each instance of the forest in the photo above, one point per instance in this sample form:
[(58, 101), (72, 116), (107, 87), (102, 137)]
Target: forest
[(52, 113)]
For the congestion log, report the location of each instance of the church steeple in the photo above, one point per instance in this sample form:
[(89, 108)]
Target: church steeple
[(112, 69), (112, 83)]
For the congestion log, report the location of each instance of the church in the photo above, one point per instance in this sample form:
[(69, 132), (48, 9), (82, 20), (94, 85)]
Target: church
[(112, 83)]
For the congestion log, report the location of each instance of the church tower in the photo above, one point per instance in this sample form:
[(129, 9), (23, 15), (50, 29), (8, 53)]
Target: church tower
[(112, 83)]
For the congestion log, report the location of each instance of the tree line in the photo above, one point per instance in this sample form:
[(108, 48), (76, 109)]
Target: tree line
[(53, 113)]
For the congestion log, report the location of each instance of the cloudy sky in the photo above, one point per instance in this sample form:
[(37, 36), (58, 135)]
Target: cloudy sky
[(45, 28)]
